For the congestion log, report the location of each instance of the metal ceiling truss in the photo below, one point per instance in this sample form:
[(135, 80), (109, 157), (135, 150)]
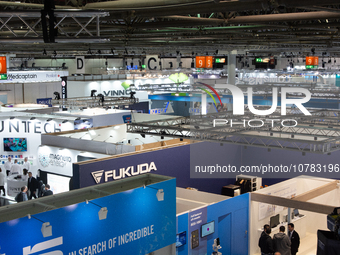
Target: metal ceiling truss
[(318, 133), (93, 102), (23, 24), (177, 25)]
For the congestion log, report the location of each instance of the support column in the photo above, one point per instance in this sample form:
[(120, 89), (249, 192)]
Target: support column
[(232, 67), (204, 104)]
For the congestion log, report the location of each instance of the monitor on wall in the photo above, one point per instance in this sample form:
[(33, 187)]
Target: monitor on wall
[(208, 229), (15, 144)]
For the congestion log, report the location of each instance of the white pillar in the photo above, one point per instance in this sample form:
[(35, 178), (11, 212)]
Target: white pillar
[(204, 104), (232, 67)]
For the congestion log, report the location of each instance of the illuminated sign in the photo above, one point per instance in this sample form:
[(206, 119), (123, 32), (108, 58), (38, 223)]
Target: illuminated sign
[(3, 68), (219, 60), (312, 62), (200, 62)]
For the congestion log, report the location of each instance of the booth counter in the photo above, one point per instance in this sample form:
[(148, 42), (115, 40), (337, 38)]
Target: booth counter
[(14, 185)]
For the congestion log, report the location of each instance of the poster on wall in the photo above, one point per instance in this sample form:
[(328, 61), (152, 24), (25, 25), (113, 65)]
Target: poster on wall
[(267, 210), (197, 218)]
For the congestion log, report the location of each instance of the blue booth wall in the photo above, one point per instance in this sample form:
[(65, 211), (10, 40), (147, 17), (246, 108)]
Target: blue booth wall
[(174, 162), (231, 219), (76, 229)]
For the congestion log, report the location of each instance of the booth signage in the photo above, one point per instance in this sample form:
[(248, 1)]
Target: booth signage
[(112, 93), (54, 160), (34, 76), (136, 223), (121, 173), (45, 101), (264, 79), (25, 126)]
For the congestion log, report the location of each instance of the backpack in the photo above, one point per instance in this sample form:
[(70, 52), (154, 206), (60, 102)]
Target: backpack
[(18, 197)]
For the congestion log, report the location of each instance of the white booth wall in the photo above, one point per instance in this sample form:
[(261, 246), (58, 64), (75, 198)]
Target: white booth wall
[(260, 213), (23, 127), (59, 160)]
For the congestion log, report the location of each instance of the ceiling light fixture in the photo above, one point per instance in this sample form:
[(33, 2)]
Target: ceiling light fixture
[(102, 214), (46, 228)]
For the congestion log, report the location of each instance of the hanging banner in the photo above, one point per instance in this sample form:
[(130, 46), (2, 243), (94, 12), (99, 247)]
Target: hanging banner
[(3, 68), (80, 63), (209, 62), (200, 62)]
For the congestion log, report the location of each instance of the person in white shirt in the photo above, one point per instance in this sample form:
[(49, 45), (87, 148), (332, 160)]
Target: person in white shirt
[(2, 182), (26, 164), (8, 165), (16, 168)]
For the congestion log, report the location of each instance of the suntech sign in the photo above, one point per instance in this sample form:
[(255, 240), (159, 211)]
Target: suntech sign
[(116, 174)]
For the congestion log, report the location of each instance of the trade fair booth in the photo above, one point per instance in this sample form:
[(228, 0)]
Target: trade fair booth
[(135, 216), (304, 195), (203, 218)]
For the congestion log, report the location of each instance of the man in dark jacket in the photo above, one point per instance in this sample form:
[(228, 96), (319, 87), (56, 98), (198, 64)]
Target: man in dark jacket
[(32, 185), (266, 242), (294, 238), (47, 192)]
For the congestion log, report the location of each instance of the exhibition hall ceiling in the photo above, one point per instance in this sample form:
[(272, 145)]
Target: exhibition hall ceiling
[(163, 27)]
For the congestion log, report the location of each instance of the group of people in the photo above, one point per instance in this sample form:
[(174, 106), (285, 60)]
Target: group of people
[(30, 191), (26, 192), (16, 169), (280, 244)]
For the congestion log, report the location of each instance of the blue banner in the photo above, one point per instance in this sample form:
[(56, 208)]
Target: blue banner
[(46, 101), (136, 223)]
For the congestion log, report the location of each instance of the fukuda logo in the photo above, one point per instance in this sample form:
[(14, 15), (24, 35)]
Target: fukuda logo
[(121, 173), (238, 100)]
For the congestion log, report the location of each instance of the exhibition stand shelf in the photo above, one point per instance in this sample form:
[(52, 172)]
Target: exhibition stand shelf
[(305, 201)]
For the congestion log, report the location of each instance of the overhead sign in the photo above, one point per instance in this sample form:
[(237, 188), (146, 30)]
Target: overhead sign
[(209, 62), (33, 76), (3, 68), (312, 62), (80, 63), (200, 62)]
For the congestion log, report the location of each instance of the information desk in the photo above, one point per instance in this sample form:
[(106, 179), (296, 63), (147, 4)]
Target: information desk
[(14, 185), (300, 226)]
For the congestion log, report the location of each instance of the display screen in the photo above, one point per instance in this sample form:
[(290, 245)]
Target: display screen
[(15, 144), (208, 228), (83, 124), (181, 239), (58, 183), (274, 221)]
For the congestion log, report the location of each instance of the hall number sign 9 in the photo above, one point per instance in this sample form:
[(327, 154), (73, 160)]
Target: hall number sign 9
[(204, 62)]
